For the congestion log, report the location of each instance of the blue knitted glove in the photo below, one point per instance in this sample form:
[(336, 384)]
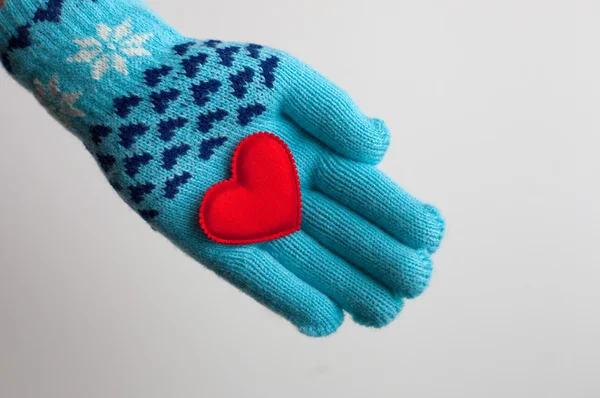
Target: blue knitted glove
[(162, 116)]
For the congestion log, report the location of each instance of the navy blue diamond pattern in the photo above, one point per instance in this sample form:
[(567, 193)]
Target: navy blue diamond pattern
[(174, 85)]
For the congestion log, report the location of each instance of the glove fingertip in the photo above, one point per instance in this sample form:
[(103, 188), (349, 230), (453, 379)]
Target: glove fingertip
[(377, 141), (325, 325)]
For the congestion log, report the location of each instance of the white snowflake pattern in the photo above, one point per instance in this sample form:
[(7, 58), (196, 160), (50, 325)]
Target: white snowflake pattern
[(60, 105), (111, 48)]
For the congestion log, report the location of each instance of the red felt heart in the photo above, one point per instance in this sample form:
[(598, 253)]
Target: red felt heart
[(261, 201)]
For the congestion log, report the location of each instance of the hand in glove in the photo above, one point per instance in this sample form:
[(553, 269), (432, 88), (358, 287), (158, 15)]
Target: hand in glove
[(244, 157)]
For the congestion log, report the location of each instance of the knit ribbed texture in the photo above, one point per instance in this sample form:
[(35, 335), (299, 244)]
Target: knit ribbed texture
[(162, 115)]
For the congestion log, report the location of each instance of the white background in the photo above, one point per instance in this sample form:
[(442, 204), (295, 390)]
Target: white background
[(494, 108)]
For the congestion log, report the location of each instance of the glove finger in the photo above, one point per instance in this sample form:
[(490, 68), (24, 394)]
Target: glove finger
[(258, 274), (369, 303), (329, 114), (403, 270), (373, 195)]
